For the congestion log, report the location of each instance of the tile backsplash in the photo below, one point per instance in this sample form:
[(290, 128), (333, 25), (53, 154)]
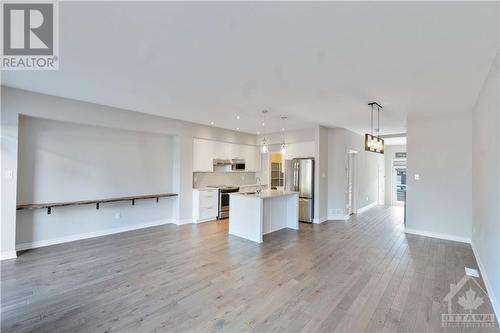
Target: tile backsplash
[(204, 179)]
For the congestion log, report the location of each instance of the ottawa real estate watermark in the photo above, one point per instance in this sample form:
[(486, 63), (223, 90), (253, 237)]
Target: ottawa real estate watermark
[(466, 305)]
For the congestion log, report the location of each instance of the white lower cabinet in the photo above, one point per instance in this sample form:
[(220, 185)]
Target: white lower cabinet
[(205, 205)]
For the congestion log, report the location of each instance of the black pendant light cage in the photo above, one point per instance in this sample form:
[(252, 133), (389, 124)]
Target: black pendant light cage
[(374, 143)]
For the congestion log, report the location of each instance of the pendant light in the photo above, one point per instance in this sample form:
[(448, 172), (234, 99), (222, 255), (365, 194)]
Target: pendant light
[(283, 145), (373, 143), (264, 149)]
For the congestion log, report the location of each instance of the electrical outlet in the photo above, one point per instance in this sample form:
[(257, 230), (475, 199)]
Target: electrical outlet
[(118, 216), (471, 272), (367, 198)]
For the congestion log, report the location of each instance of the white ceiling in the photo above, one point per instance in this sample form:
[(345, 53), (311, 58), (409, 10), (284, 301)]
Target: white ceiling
[(401, 140), (314, 62)]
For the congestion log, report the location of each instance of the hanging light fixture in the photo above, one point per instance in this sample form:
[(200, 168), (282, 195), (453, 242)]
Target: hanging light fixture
[(374, 143), (283, 145), (264, 149)]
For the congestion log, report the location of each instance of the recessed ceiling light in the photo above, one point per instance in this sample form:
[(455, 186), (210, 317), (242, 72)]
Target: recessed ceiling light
[(211, 123), (263, 124), (237, 128), (238, 117), (258, 133)]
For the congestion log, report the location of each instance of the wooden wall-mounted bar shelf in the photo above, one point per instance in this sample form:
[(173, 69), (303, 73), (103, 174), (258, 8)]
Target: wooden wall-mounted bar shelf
[(49, 206)]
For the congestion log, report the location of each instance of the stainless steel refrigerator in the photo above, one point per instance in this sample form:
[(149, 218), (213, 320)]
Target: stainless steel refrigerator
[(299, 177)]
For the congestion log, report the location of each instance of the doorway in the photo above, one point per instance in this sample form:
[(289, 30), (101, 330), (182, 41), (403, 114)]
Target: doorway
[(351, 182), (398, 183), (277, 168)]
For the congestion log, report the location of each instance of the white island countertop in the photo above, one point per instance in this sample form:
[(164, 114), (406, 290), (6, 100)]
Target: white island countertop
[(253, 215), (264, 194)]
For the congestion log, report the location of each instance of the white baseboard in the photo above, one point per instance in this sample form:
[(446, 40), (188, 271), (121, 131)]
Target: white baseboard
[(8, 255), (489, 288), (71, 238), (365, 208), (205, 220), (320, 220), (437, 235), (338, 217), (182, 221)]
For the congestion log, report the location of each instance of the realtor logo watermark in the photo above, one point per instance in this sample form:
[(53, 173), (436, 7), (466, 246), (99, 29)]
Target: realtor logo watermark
[(30, 35), (466, 305)]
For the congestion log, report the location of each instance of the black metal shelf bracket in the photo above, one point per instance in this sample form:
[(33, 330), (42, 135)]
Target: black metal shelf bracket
[(97, 203)]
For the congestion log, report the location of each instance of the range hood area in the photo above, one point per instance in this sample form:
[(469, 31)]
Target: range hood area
[(229, 165), (220, 161)]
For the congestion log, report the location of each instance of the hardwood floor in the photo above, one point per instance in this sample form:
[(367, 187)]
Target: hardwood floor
[(361, 275)]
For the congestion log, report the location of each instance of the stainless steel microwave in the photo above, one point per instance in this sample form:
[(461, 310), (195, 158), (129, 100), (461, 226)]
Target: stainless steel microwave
[(237, 165)]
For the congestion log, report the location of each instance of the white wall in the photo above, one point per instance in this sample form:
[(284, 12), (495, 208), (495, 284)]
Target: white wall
[(486, 183), (389, 154), (367, 168), (439, 150), (15, 102), (337, 173), (294, 136), (458, 194), (61, 161), (321, 175)]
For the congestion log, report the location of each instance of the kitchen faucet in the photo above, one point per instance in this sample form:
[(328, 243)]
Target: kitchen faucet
[(259, 188)]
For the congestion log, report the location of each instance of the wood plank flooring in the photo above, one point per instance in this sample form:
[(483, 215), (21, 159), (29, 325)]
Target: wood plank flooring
[(360, 275)]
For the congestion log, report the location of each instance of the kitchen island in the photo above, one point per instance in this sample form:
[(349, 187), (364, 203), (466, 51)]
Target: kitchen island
[(252, 215)]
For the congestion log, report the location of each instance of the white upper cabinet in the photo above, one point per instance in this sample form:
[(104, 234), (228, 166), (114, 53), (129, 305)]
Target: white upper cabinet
[(205, 151), (251, 154), (203, 155)]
